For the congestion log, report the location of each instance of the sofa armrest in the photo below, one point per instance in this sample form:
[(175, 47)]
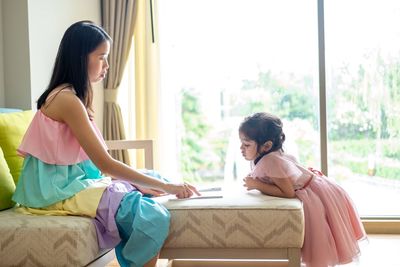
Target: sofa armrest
[(146, 145)]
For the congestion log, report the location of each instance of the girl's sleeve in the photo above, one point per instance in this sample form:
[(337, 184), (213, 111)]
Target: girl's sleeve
[(276, 167)]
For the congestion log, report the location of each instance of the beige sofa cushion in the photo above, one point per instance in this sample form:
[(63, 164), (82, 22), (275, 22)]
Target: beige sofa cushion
[(31, 240), (240, 219)]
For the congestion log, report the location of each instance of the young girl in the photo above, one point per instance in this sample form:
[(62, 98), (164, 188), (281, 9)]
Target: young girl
[(332, 225), (65, 158)]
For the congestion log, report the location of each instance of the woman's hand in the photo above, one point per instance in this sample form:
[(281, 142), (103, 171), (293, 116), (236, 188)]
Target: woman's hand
[(250, 183), (184, 190), (150, 191)]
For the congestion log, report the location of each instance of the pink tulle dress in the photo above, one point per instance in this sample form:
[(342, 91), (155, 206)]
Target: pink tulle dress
[(332, 225)]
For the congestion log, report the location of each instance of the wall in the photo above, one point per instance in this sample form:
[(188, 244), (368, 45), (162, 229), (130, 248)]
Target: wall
[(32, 31), (16, 54)]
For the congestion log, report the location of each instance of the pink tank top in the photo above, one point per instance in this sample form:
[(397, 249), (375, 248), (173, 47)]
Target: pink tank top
[(53, 142)]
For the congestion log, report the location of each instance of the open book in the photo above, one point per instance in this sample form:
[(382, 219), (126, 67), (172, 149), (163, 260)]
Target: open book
[(209, 192)]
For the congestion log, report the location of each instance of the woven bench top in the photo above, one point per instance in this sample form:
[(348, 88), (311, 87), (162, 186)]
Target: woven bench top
[(240, 219)]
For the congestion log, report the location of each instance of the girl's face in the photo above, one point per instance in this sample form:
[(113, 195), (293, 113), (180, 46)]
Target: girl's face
[(98, 64), (248, 147)]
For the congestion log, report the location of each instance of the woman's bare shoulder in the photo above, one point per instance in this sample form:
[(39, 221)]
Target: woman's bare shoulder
[(61, 102)]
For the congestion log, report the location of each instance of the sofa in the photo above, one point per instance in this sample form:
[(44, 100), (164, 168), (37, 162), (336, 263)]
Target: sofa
[(30, 240), (240, 225)]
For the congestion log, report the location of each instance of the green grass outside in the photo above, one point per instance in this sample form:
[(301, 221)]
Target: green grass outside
[(348, 150)]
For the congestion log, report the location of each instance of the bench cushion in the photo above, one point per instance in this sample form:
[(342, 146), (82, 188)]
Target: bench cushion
[(240, 219), (30, 240)]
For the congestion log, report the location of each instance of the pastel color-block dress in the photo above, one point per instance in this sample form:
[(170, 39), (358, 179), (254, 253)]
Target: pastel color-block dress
[(58, 178), (332, 225)]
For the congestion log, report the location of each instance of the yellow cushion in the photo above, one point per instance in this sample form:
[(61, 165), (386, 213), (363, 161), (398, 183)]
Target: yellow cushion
[(7, 186), (12, 128)]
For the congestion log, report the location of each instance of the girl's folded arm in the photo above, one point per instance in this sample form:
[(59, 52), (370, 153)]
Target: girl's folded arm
[(282, 187)]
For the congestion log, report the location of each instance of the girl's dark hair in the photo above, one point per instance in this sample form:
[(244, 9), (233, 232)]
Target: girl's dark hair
[(263, 127), (71, 65)]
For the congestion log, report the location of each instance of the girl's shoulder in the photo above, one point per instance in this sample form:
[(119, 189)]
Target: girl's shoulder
[(282, 154), (276, 164), (275, 155), (60, 102), (61, 89), (270, 159), (278, 157)]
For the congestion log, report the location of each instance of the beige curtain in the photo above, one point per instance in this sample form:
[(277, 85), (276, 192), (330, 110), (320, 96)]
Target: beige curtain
[(147, 72), (118, 19)]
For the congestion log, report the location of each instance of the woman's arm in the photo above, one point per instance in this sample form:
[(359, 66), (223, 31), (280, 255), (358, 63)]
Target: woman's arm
[(67, 108), (282, 187)]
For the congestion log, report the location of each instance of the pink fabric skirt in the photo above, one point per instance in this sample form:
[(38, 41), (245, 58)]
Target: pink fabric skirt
[(332, 225)]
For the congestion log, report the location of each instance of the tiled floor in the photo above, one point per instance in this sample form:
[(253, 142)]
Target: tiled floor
[(378, 251)]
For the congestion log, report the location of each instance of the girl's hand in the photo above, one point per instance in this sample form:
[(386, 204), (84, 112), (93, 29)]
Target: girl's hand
[(250, 183), (184, 190)]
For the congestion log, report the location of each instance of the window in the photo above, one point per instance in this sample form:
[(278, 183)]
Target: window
[(222, 60), (363, 88)]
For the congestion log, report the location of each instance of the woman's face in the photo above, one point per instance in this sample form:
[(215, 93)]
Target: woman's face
[(98, 64), (248, 147)]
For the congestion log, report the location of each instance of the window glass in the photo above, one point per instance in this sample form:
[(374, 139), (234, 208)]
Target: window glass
[(222, 60), (363, 91)]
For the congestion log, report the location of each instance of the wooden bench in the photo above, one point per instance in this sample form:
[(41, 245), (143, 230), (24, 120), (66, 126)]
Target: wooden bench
[(241, 225)]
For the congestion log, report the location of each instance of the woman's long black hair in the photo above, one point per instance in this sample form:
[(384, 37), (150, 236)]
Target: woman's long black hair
[(71, 65), (263, 127)]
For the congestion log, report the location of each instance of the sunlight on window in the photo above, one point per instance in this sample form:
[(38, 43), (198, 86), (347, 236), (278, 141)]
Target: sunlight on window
[(126, 100), (223, 60), (363, 83)]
